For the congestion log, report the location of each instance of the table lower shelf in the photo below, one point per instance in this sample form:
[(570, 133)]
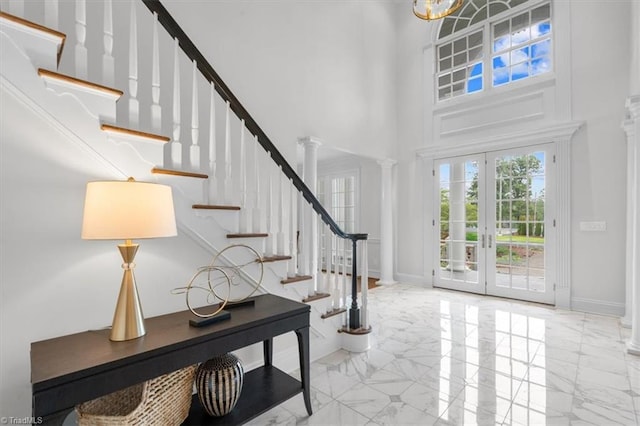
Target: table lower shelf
[(263, 388)]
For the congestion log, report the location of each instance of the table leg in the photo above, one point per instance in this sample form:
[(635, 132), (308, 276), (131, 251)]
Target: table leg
[(303, 349), (268, 352)]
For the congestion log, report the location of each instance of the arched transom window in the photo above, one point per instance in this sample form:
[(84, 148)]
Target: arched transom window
[(509, 38)]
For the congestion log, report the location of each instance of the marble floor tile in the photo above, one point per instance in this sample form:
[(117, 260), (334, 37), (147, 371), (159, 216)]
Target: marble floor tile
[(441, 357)]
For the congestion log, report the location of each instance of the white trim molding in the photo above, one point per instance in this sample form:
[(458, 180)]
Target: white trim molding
[(561, 135), (632, 129)]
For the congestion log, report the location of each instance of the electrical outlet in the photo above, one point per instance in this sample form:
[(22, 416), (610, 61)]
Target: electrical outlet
[(593, 226)]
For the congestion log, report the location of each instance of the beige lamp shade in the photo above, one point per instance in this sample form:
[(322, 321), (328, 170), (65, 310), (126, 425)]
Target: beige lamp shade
[(128, 210)]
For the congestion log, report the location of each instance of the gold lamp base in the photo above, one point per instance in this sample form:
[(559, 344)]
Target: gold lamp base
[(128, 321)]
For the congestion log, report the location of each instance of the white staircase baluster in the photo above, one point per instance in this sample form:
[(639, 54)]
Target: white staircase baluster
[(310, 255), (335, 283), (108, 64), (269, 209), (194, 150), (134, 106), (81, 38), (321, 282), (256, 200), (293, 232), (343, 277), (213, 180), (244, 226), (327, 258), (176, 147), (228, 187), (51, 12), (364, 286), (280, 236), (156, 109)]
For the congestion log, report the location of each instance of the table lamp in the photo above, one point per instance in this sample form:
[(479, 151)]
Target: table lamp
[(128, 210)]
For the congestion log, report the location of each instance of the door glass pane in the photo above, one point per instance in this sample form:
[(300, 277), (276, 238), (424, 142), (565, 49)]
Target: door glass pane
[(520, 205), (459, 221)]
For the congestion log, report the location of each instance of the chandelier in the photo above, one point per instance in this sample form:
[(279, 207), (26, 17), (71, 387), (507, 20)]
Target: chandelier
[(435, 9)]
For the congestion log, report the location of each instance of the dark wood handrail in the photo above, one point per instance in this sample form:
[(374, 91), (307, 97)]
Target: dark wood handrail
[(207, 71)]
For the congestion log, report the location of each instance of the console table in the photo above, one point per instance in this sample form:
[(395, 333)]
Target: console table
[(68, 370)]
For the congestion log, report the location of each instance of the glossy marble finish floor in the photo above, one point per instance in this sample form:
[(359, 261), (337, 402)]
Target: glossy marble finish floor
[(448, 358)]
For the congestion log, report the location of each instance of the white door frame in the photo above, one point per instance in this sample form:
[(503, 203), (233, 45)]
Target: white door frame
[(561, 135)]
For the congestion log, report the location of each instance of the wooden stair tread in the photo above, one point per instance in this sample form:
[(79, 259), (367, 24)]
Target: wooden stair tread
[(249, 235), (84, 83), (137, 133), (38, 27), (214, 207), (276, 258), (315, 297), (296, 279), (161, 171), (333, 313)]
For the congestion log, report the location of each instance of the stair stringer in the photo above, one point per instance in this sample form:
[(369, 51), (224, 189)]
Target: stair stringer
[(67, 113)]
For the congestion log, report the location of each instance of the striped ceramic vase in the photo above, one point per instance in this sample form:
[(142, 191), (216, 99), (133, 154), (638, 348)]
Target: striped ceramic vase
[(219, 383)]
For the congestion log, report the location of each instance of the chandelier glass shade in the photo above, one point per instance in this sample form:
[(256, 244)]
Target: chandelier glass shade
[(435, 9)]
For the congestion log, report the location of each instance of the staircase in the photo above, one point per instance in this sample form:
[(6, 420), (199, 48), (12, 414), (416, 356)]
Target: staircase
[(231, 185)]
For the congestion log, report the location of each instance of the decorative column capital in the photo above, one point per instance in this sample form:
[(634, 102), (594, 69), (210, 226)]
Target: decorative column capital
[(633, 107), (309, 141), (387, 163)]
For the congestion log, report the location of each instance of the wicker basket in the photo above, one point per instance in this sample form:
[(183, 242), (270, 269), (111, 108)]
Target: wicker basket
[(163, 401)]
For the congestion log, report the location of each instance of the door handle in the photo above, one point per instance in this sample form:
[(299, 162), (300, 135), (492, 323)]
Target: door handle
[(490, 240), (483, 238)]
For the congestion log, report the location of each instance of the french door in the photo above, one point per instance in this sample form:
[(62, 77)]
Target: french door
[(495, 228)]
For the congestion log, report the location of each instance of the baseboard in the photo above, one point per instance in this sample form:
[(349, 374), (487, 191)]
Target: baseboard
[(594, 306), (412, 279)]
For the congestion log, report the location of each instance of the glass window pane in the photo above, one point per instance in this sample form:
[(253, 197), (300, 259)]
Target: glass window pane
[(474, 85), (475, 70), (540, 66), (447, 27), (475, 53), (480, 16), (520, 71), (445, 64), (459, 75), (460, 45), (496, 8), (541, 48), (445, 50), (444, 93), (443, 80), (520, 55), (458, 88), (475, 39), (541, 13), (459, 59)]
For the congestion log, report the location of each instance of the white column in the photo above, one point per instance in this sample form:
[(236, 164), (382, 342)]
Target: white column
[(310, 229), (386, 224), (632, 127), (626, 320)]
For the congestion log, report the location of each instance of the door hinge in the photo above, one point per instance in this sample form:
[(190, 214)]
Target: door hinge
[(554, 287), (433, 272), (433, 172), (554, 223), (554, 158), (433, 222)]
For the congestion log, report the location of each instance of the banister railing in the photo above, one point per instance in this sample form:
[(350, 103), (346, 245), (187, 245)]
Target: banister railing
[(207, 71)]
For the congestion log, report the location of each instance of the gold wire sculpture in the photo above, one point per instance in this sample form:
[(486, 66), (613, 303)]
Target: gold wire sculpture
[(219, 274)]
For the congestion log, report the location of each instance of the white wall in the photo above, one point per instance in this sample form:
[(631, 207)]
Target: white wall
[(599, 82), (304, 67), (599, 150)]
